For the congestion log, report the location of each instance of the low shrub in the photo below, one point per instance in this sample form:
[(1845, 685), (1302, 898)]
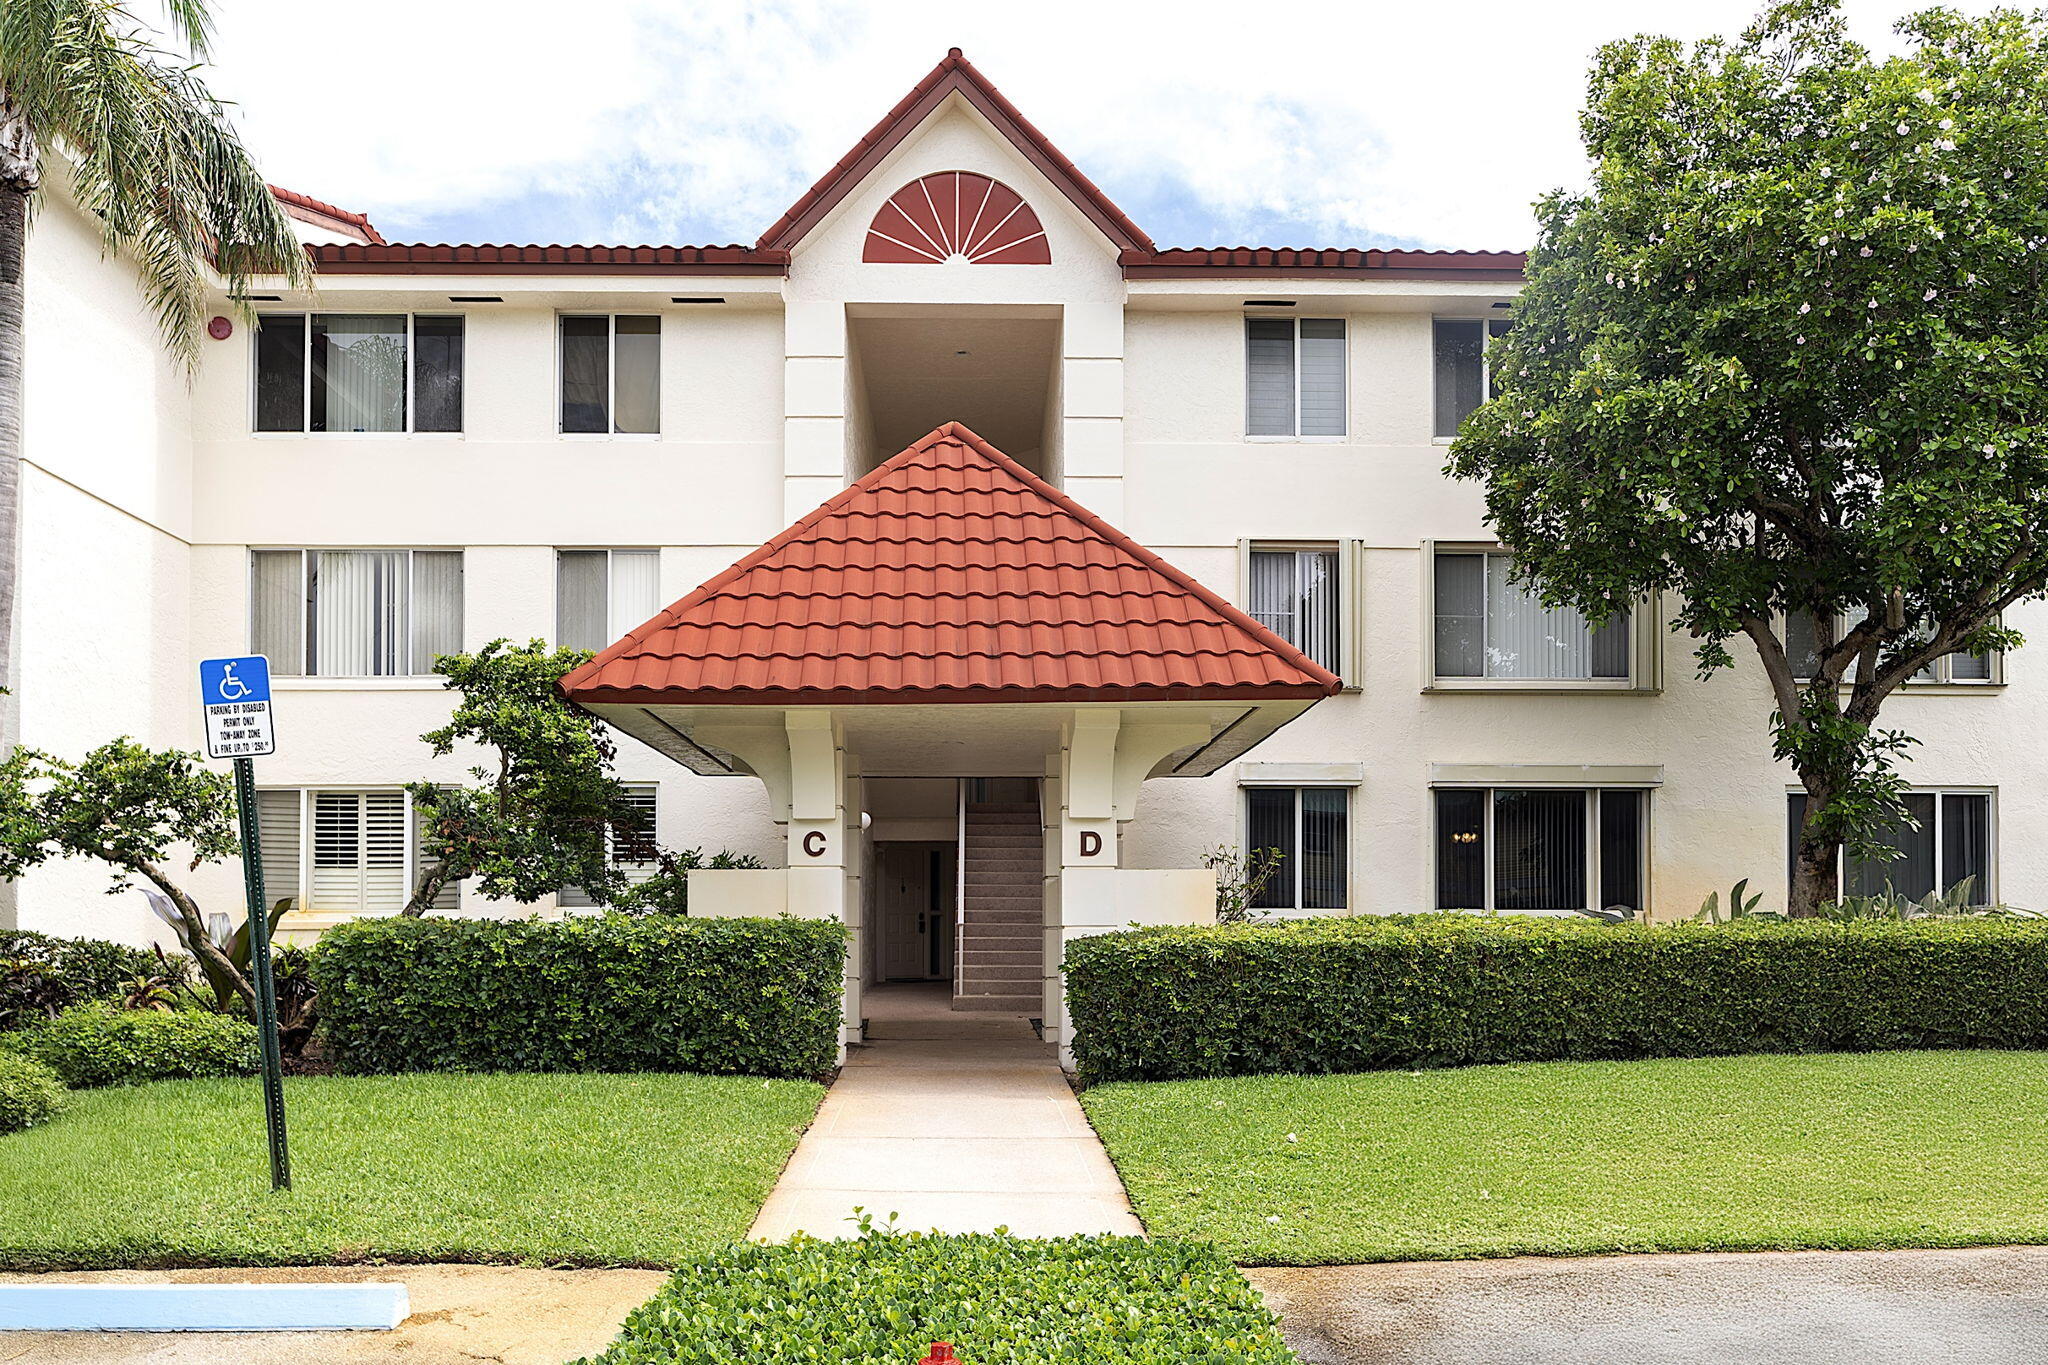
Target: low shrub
[(599, 993), (1357, 994), (101, 1044), (29, 1092), (40, 974), (883, 1299)]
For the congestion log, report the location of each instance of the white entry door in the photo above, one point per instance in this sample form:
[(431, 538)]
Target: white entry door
[(908, 921)]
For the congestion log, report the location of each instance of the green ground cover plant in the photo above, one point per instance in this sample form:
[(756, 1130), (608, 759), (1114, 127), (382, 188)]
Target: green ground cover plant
[(883, 1299), (1356, 994), (30, 1092), (103, 1044), (1883, 1149), (554, 1169), (594, 993)]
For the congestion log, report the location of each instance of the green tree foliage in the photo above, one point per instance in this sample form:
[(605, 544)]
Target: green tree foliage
[(135, 809), (1789, 353), (545, 809)]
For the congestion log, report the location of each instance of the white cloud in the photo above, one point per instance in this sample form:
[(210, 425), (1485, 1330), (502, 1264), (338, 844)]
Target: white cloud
[(638, 120)]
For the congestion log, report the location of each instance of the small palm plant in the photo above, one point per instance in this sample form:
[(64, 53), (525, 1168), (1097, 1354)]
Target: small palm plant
[(148, 152)]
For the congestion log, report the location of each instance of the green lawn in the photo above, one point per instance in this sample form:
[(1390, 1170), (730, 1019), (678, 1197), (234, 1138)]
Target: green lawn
[(1893, 1149), (585, 1169)]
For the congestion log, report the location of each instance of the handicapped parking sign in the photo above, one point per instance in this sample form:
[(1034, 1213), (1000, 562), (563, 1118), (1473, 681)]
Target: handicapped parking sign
[(234, 694)]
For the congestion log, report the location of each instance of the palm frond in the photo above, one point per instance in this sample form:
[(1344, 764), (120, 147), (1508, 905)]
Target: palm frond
[(151, 152)]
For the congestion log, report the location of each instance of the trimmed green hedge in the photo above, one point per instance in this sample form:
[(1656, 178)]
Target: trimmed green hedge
[(757, 997), (29, 1092), (103, 1044), (884, 1299), (1334, 995), (42, 973)]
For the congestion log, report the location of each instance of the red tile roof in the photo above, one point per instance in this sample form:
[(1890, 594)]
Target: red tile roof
[(1195, 262), (415, 258), (949, 574), (953, 73), (307, 209)]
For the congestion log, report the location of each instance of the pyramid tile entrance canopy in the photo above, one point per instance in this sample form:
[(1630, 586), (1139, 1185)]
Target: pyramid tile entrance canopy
[(950, 574)]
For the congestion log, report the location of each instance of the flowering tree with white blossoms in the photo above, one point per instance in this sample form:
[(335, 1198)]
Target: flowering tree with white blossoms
[(1788, 354)]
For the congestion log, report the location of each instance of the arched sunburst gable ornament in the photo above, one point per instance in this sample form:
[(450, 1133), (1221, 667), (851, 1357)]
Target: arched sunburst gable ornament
[(956, 216)]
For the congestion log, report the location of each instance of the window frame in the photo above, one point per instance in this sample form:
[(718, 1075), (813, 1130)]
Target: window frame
[(611, 371), (1645, 829), (300, 678), (301, 917), (635, 871), (1944, 680), (1344, 383), (610, 552), (1487, 335), (1350, 595), (1991, 821), (1297, 784), (1645, 642), (305, 430)]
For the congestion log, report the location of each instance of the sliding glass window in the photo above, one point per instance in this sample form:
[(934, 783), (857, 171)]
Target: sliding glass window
[(358, 373)]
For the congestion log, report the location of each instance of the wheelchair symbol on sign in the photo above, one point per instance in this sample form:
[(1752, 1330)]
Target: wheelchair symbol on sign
[(231, 687)]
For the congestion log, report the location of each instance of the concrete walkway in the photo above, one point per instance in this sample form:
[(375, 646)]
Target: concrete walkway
[(955, 1121), (1985, 1306)]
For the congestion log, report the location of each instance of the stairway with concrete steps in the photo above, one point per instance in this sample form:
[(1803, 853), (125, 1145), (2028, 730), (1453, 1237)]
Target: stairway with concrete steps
[(1002, 929)]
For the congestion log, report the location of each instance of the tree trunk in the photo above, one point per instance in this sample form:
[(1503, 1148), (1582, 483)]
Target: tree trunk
[(1816, 863), (19, 170), (430, 884)]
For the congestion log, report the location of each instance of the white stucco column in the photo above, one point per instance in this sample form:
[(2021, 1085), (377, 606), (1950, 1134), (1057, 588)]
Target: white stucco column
[(1081, 798), (1092, 406), (814, 371), (820, 841)]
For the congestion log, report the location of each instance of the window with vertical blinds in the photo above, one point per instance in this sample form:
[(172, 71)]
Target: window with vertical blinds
[(355, 613), (1297, 594), (278, 827), (1489, 626), (1802, 650), (602, 594), (611, 375), (358, 372), (1294, 377), (1309, 828), (359, 847), (1540, 849), (1943, 839), (634, 854)]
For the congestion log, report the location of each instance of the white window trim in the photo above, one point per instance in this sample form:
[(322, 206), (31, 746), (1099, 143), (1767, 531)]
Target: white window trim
[(1486, 340), (1350, 596), (1937, 686), (1297, 910), (306, 431), (1645, 862), (611, 376), (1991, 819), (1344, 383), (317, 682), (1645, 642)]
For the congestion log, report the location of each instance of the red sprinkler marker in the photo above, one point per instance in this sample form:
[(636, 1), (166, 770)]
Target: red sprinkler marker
[(942, 1354)]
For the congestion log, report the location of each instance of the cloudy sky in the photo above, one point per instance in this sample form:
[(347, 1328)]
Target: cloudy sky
[(1367, 124)]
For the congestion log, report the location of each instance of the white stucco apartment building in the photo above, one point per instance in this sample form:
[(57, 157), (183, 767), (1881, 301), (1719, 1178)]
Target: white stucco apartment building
[(444, 445)]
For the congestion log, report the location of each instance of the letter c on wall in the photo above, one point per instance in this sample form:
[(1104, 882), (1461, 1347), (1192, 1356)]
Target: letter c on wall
[(814, 843), (1091, 843)]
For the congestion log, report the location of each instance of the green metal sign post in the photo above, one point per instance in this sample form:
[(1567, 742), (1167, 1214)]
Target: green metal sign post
[(234, 697)]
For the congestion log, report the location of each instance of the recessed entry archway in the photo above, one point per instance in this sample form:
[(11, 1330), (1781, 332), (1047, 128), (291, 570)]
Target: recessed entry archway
[(917, 367)]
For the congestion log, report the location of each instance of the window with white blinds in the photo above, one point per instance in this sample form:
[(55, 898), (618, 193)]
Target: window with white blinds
[(1294, 376), (633, 854), (1297, 594), (602, 594), (355, 613), (359, 853), (1490, 626), (279, 823)]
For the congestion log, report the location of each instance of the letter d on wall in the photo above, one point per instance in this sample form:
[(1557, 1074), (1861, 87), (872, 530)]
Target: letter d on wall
[(1091, 843)]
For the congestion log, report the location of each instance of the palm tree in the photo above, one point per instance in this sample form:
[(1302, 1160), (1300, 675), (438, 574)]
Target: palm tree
[(150, 154)]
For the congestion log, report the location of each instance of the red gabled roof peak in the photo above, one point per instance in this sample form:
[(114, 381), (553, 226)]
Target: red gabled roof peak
[(954, 73), (950, 573)]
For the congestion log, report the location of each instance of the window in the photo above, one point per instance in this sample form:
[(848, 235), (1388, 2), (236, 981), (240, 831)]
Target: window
[(1297, 594), (1308, 825), (1804, 653), (602, 594), (1947, 839), (1540, 848), (342, 853), (355, 613), (635, 853), (1294, 376), (611, 375), (1488, 626), (1463, 381), (359, 372)]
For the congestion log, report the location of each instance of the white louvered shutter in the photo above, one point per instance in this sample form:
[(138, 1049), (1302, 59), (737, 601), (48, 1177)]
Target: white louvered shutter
[(1322, 376), (449, 898), (277, 815), (359, 862)]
